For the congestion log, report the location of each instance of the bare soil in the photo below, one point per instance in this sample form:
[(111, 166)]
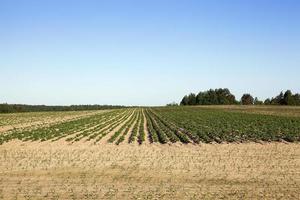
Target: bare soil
[(44, 170), (120, 124), (45, 121), (147, 141)]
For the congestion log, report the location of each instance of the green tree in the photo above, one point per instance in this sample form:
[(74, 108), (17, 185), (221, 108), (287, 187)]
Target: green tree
[(257, 101), (200, 98), (278, 100), (297, 99), (288, 98), (184, 101), (192, 99), (267, 101), (247, 99), (172, 104)]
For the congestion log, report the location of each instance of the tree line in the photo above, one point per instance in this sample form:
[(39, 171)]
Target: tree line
[(13, 108), (223, 96)]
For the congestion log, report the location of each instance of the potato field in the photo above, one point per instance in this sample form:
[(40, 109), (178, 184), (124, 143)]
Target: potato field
[(156, 125), (180, 152)]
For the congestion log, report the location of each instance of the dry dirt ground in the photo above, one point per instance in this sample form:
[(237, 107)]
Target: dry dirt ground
[(40, 119), (58, 170)]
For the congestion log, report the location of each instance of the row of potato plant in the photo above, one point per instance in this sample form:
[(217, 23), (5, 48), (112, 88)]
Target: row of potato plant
[(216, 125)]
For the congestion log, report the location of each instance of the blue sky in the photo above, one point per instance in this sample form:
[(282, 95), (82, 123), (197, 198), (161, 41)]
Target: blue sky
[(146, 52)]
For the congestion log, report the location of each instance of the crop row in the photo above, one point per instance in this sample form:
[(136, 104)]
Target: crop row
[(165, 125), (134, 131), (172, 131), (141, 137), (113, 125), (61, 130), (213, 125), (160, 130), (96, 131), (123, 129), (153, 135)]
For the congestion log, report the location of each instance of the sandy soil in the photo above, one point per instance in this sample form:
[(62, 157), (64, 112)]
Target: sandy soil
[(147, 140), (84, 139), (45, 121), (120, 124), (33, 170), (127, 136)]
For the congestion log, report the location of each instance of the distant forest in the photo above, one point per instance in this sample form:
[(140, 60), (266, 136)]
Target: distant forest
[(12, 108), (224, 97)]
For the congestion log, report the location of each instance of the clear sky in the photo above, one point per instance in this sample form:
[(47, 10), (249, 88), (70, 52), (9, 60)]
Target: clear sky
[(146, 52)]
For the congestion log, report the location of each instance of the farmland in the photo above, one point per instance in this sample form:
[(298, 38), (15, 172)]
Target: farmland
[(154, 125), (23, 120), (156, 153)]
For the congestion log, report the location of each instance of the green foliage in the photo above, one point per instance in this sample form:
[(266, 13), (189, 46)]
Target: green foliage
[(157, 129), (13, 108), (278, 100), (247, 99), (174, 133), (192, 99), (224, 97), (124, 128), (134, 131), (267, 102), (287, 98), (184, 101), (153, 136), (71, 130), (167, 124), (141, 137), (213, 125), (257, 101), (172, 104), (210, 97)]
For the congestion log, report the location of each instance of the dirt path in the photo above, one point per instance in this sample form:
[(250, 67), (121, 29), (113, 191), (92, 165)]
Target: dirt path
[(147, 139)]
